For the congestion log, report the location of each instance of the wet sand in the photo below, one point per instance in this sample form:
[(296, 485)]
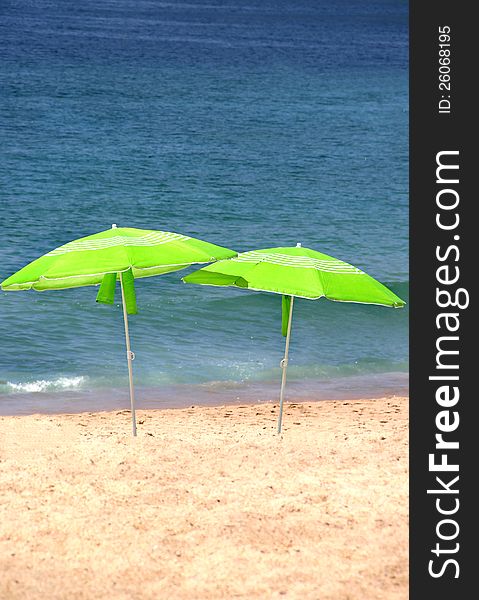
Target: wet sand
[(207, 502)]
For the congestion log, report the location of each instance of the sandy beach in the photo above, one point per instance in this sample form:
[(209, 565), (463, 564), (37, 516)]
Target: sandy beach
[(207, 503)]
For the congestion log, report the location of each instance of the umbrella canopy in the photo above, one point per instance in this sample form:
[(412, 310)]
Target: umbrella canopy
[(85, 261), (296, 272), (117, 254)]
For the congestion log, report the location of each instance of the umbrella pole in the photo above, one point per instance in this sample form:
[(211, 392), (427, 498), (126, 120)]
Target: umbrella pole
[(284, 366), (130, 356)]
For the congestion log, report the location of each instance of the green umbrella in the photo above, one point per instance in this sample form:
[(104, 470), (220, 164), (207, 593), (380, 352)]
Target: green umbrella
[(123, 254), (295, 272)]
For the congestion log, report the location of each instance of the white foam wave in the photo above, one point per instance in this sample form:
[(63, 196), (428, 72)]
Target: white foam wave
[(45, 385)]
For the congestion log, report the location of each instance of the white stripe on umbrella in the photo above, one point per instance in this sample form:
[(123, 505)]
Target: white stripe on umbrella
[(151, 239), (304, 262)]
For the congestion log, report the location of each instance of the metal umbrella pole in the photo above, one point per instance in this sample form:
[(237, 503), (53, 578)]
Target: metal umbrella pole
[(130, 356), (284, 366)]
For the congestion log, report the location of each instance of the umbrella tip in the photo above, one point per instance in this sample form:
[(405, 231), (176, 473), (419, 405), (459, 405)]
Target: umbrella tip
[(298, 245), (113, 226)]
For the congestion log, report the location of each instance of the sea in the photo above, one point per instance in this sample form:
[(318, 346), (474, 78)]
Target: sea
[(247, 124)]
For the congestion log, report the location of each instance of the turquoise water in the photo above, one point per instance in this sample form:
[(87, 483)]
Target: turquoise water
[(246, 124)]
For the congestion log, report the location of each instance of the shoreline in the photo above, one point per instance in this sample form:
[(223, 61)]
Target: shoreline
[(207, 502), (218, 393), (248, 403)]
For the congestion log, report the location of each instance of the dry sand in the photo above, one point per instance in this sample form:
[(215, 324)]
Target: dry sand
[(207, 503)]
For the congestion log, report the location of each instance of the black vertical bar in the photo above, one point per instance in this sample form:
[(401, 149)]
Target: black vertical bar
[(432, 132)]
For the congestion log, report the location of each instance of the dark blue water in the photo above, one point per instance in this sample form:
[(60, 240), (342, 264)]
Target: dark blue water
[(248, 124)]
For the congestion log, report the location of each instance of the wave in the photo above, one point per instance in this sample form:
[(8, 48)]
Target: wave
[(44, 385), (229, 373)]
